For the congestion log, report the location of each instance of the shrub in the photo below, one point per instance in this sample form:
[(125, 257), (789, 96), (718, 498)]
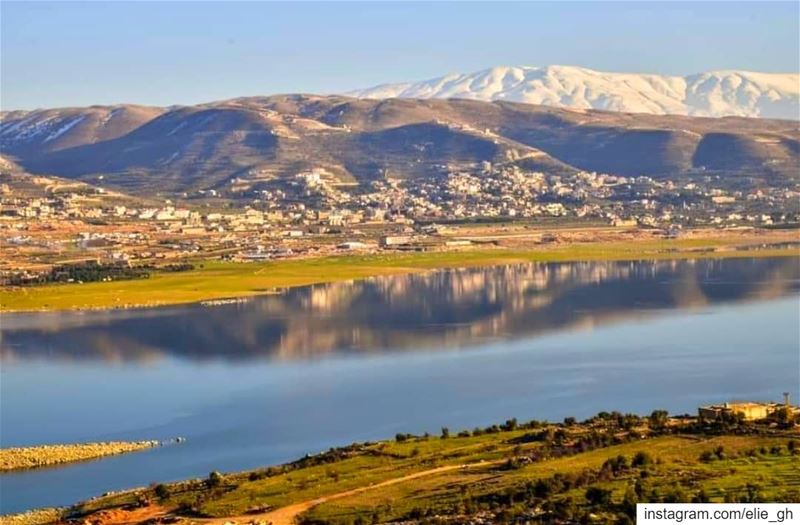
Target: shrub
[(214, 479), (707, 456), (161, 491), (598, 496), (512, 464), (642, 459), (629, 502), (255, 476), (658, 419), (615, 465), (676, 495), (543, 488)]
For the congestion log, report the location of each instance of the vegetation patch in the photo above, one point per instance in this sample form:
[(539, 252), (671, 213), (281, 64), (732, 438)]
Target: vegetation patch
[(535, 472)]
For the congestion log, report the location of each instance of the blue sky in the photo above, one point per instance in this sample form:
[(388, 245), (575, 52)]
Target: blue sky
[(75, 54)]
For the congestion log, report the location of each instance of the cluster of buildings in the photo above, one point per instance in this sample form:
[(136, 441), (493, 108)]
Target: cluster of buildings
[(319, 212), (480, 192), (503, 191)]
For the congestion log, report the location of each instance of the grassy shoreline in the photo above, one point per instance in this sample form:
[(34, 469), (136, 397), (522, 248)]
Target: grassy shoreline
[(223, 280), (500, 472)]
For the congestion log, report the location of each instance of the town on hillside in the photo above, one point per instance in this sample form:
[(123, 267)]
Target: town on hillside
[(315, 214)]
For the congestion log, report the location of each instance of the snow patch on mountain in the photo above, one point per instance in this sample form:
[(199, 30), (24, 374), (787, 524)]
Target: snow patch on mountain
[(26, 128), (712, 94), (64, 128)]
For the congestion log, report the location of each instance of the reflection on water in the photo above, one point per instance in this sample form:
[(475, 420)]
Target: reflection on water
[(284, 375), (447, 308)]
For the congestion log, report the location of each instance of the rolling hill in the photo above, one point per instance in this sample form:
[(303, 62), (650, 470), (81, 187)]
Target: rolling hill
[(257, 139), (47, 130)]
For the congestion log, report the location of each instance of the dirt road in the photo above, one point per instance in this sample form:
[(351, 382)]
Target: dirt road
[(287, 515)]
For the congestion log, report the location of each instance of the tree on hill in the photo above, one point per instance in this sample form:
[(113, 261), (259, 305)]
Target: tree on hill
[(658, 419), (598, 496)]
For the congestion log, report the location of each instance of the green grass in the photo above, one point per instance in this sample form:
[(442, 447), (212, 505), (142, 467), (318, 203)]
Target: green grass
[(385, 461), (215, 280), (677, 464), (497, 471)]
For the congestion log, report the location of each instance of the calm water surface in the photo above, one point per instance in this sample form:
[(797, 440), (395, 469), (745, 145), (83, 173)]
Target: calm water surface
[(283, 375)]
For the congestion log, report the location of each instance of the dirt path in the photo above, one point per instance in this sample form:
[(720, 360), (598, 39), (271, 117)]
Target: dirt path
[(287, 515), (129, 517)]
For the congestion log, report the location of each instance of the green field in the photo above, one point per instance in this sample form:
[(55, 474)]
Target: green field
[(215, 280), (675, 469), (600, 467)]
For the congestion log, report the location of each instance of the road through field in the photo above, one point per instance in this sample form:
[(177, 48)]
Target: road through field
[(287, 515)]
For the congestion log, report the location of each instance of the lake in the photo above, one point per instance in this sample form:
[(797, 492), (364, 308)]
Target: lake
[(279, 376)]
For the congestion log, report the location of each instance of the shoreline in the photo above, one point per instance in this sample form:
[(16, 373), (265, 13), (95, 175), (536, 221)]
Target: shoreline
[(217, 281), (17, 459), (502, 455)]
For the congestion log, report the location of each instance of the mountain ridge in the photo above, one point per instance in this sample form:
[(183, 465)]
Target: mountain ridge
[(251, 141), (710, 94)]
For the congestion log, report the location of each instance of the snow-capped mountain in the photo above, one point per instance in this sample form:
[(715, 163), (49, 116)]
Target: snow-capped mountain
[(712, 94)]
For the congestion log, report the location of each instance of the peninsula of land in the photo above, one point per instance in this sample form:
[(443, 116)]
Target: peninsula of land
[(19, 458)]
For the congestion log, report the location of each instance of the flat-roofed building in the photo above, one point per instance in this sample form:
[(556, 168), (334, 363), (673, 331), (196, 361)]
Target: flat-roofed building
[(395, 240), (749, 410)]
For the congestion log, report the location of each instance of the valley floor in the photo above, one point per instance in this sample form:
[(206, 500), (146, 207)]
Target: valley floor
[(214, 280)]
